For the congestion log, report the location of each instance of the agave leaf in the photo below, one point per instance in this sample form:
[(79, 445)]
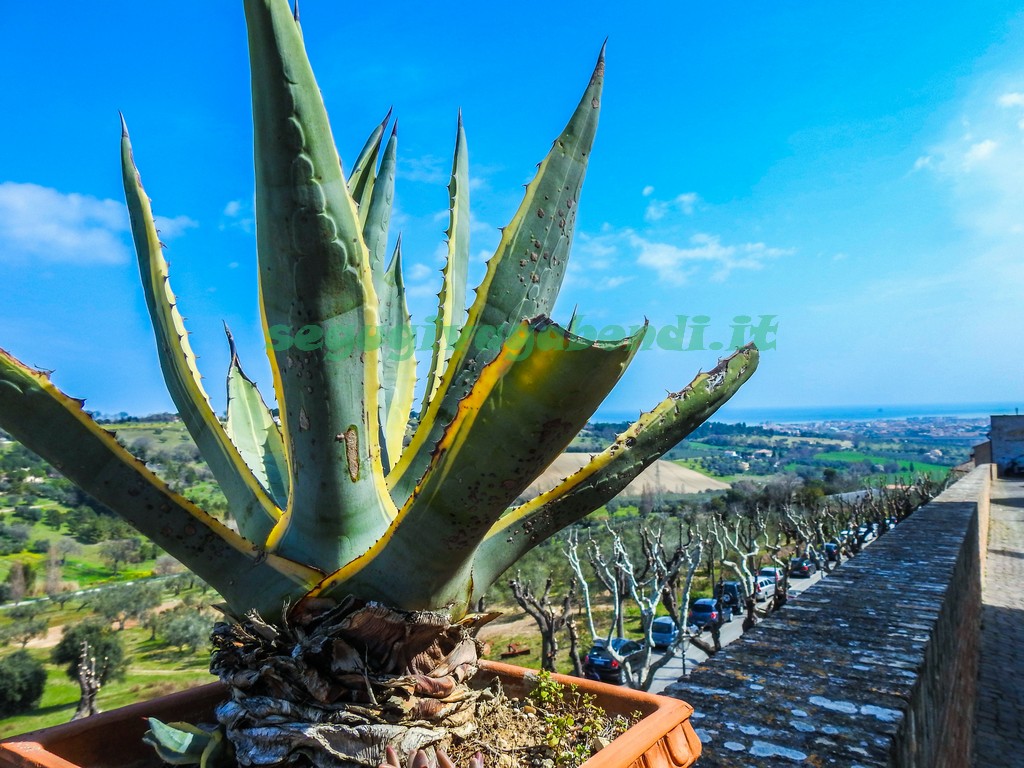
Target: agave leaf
[(254, 510), (522, 279), (51, 424), (217, 753), (526, 406), (364, 174), (177, 743), (377, 218), (398, 356), (451, 307), (613, 469), (319, 307), (252, 428)]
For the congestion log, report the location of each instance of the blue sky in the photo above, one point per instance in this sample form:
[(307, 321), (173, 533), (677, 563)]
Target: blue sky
[(852, 170)]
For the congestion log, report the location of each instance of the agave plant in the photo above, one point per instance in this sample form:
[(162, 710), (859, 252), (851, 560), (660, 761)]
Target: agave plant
[(338, 512)]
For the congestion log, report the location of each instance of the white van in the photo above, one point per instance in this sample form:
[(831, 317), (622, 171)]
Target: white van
[(764, 588)]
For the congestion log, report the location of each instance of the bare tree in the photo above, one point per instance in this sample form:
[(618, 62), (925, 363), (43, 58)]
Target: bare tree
[(54, 572), (613, 580), (17, 583), (166, 565), (737, 546), (647, 580), (56, 589), (550, 619), (572, 554)]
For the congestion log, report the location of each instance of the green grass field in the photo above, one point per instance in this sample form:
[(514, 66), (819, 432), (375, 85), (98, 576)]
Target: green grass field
[(165, 435), (854, 456), (154, 670)]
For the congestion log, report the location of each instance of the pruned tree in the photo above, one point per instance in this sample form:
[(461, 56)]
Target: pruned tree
[(106, 645), (776, 552), (647, 579), (612, 578), (685, 561), (572, 554), (88, 683), (736, 546), (551, 619)]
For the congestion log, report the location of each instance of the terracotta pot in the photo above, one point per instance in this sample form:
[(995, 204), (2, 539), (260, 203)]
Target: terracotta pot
[(664, 738)]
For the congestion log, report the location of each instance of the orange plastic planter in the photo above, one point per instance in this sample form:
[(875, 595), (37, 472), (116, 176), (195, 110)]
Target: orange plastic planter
[(664, 738)]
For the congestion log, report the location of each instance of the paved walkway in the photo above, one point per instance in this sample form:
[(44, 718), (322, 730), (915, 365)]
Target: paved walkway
[(999, 727)]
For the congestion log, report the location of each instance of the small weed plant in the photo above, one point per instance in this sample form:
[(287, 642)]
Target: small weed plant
[(575, 726)]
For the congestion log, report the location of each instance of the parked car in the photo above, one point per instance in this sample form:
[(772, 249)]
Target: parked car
[(707, 611), (764, 588), (803, 567), (605, 661), (664, 631), (730, 594), (832, 551), (771, 572)]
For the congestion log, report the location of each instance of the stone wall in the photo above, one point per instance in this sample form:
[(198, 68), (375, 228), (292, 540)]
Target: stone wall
[(874, 666), (1007, 438)]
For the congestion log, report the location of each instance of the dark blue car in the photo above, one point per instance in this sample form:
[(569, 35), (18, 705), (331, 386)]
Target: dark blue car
[(605, 661)]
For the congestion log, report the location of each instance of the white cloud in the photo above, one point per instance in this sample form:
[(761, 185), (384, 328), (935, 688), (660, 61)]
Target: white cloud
[(610, 283), (609, 259), (677, 265), (658, 209), (420, 272), (925, 161), (595, 253), (240, 217), (429, 169), (979, 151), (172, 228), (1013, 99), (979, 161), (46, 224), (648, 191)]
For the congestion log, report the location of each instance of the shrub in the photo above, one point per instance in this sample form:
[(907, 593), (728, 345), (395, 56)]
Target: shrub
[(185, 629), (28, 513), (22, 680)]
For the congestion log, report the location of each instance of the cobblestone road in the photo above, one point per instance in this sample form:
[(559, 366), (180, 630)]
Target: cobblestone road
[(999, 727)]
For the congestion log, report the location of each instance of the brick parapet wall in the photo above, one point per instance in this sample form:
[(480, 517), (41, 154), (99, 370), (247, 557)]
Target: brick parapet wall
[(874, 666)]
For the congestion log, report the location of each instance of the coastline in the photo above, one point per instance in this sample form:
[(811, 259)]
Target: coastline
[(810, 414)]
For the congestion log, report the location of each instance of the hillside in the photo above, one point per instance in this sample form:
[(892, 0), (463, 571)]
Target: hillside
[(660, 479)]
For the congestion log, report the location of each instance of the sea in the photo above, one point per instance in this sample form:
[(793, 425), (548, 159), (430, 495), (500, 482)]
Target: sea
[(804, 414)]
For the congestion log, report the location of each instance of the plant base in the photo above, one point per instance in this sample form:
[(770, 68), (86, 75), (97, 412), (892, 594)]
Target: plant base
[(664, 738)]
